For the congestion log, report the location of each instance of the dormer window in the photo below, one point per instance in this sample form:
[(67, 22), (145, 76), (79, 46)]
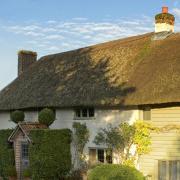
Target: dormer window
[(84, 113)]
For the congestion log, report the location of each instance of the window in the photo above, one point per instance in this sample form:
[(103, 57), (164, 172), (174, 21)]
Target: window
[(100, 155), (24, 150), (84, 113), (147, 114), (169, 170)]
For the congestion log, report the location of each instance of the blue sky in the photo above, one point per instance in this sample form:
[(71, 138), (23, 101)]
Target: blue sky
[(51, 26)]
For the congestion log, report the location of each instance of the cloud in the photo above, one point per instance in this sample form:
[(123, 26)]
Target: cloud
[(176, 11), (55, 36)]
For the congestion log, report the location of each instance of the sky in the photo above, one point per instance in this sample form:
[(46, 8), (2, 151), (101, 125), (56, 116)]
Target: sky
[(53, 26)]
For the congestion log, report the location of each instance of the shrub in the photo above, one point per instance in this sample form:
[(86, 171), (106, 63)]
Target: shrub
[(114, 172), (27, 172), (6, 153), (50, 154), (11, 171), (46, 116), (17, 116)]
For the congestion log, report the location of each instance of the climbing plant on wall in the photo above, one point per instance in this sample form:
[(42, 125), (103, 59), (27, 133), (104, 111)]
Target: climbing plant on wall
[(81, 137)]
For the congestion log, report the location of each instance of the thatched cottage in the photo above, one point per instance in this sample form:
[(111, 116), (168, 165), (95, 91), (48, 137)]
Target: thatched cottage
[(122, 80)]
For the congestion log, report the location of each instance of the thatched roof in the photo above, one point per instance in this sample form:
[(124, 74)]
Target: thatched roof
[(131, 71)]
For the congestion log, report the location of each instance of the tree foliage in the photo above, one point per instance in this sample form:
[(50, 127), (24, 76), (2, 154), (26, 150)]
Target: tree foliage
[(121, 139)]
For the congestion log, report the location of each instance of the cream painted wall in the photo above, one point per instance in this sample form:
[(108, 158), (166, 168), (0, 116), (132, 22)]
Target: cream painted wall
[(5, 122)]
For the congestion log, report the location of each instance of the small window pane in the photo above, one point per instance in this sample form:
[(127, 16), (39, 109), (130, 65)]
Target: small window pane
[(91, 112), (78, 113), (173, 170), (162, 170), (24, 151), (101, 155), (84, 112)]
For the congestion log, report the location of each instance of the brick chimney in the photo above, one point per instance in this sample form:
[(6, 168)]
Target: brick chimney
[(164, 22), (25, 60)]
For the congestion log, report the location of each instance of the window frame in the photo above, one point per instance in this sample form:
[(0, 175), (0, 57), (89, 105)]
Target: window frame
[(105, 155), (168, 168), (88, 112), (25, 151)]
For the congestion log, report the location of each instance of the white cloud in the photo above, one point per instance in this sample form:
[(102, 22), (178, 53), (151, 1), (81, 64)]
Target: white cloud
[(55, 36)]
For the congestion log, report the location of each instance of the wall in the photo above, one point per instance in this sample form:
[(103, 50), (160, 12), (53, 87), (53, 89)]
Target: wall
[(5, 122), (31, 116), (65, 119), (166, 145)]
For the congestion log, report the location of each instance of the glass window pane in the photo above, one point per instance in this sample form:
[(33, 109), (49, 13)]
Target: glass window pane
[(91, 112), (162, 170), (84, 112), (24, 151), (101, 155), (78, 113), (173, 170)]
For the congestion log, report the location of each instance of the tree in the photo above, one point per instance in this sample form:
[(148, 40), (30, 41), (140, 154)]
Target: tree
[(121, 139)]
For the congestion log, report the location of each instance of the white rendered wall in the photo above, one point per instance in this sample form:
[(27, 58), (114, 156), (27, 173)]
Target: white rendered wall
[(65, 119), (31, 116), (5, 122)]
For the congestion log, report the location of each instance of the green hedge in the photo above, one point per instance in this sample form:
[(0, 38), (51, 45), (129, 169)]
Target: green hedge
[(114, 172), (50, 155), (6, 153)]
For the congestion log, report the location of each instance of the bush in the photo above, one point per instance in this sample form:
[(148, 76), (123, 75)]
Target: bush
[(114, 172), (17, 116), (50, 154), (46, 116), (6, 153), (11, 171), (27, 172)]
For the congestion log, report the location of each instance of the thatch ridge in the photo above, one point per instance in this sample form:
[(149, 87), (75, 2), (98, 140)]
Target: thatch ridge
[(130, 71)]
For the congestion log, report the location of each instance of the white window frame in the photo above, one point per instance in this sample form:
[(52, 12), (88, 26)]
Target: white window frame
[(81, 114)]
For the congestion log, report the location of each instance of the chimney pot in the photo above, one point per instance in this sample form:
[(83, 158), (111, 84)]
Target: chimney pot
[(165, 9), (25, 60)]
